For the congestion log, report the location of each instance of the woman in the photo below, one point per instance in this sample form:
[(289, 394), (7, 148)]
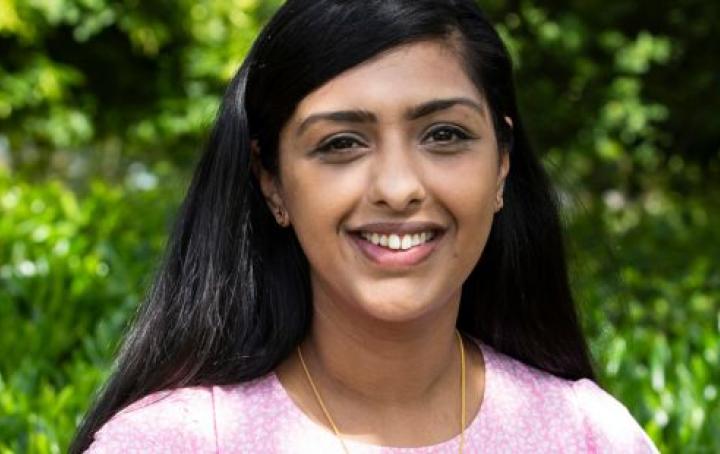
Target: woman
[(368, 259)]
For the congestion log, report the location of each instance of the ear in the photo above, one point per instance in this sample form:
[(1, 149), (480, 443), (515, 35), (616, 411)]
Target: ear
[(269, 186), (503, 171)]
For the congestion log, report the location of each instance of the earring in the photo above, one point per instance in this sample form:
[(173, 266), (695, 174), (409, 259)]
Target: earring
[(500, 201), (281, 218)]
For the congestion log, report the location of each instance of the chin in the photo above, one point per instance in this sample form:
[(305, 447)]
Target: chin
[(396, 311)]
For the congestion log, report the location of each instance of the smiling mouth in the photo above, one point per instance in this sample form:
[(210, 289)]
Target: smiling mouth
[(392, 250), (398, 242)]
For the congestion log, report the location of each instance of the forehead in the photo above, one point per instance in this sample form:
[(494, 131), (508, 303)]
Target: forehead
[(387, 84)]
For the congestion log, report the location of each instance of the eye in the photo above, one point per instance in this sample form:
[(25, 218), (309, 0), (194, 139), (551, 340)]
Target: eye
[(340, 144), (445, 135)]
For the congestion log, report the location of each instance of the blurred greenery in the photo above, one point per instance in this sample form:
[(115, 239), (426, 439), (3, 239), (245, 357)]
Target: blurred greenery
[(104, 105)]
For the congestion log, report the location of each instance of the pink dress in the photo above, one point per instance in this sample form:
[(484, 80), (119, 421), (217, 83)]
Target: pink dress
[(523, 410)]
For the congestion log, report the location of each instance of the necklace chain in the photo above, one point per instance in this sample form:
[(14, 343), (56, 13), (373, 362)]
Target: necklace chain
[(337, 432)]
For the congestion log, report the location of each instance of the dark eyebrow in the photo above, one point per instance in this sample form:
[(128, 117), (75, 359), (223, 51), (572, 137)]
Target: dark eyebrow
[(436, 105), (341, 116), (364, 116)]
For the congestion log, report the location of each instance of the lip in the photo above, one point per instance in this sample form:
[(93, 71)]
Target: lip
[(399, 228), (388, 258)]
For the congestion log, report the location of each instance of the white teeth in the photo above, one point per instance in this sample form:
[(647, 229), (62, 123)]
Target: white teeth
[(395, 241)]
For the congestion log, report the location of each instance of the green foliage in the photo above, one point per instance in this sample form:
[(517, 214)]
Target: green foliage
[(73, 269), (643, 270), (78, 73), (104, 105)]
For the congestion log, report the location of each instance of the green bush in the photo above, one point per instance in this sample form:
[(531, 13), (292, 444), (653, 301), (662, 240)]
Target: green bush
[(644, 272), (73, 269)]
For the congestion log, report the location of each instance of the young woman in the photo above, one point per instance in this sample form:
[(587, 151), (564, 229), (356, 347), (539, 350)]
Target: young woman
[(368, 259)]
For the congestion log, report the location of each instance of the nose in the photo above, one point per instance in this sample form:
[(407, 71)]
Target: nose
[(396, 179)]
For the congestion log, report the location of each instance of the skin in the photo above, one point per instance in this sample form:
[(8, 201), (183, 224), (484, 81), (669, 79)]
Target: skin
[(382, 349)]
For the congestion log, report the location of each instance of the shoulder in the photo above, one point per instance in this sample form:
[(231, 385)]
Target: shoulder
[(607, 423), (566, 410), (196, 419), (180, 420)]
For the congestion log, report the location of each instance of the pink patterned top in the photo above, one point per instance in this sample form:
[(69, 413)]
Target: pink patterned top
[(523, 410)]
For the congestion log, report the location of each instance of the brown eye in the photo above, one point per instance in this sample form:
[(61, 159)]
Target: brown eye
[(446, 135), (339, 144)]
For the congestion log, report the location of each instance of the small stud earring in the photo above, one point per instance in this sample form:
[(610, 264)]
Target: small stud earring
[(281, 217), (499, 201)]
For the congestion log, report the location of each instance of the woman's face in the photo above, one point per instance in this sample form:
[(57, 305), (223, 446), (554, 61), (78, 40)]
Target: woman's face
[(391, 175)]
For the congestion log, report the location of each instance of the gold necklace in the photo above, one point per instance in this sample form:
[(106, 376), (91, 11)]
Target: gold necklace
[(337, 432)]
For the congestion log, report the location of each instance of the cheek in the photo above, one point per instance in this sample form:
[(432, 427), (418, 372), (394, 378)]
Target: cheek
[(469, 195), (468, 185), (318, 201)]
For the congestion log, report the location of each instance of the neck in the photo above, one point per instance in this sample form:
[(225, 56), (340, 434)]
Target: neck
[(382, 363)]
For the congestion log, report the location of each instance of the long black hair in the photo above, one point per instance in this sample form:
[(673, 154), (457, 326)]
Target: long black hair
[(232, 298)]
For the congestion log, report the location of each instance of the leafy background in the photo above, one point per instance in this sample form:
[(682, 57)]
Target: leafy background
[(104, 105)]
